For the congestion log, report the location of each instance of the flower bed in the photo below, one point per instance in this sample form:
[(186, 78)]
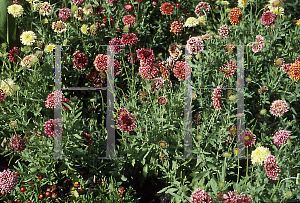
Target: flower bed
[(149, 101)]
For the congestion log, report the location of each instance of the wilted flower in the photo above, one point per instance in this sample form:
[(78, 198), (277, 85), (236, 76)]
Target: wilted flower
[(259, 44), (79, 14), (29, 60), (263, 90), (88, 10), (229, 69), (17, 143), (195, 45), (121, 189), (143, 95)]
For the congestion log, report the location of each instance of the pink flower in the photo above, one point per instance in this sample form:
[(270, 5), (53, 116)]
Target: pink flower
[(128, 20), (286, 67), (56, 98), (17, 143), (234, 198), (163, 70), (171, 62), (249, 138), (2, 95), (132, 58), (224, 31), (129, 39), (259, 44), (263, 90), (148, 70), (8, 180), (162, 100), (167, 8), (268, 18), (278, 108), (78, 2), (13, 54), (281, 137), (200, 196), (179, 70), (145, 55), (126, 122), (271, 168), (50, 126), (279, 62), (158, 83), (202, 8), (195, 45), (116, 49), (79, 61), (64, 14), (216, 98), (229, 69)]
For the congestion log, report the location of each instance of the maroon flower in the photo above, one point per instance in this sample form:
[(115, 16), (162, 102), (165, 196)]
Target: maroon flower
[(271, 167), (64, 14), (57, 98), (2, 95), (116, 49), (17, 143), (79, 61), (200, 196), (88, 138), (8, 180), (126, 122), (162, 100), (145, 55), (78, 2), (148, 70), (268, 18), (13, 54), (50, 128), (129, 39)]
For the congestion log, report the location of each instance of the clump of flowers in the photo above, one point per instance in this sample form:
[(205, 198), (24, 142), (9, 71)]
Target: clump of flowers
[(15, 10), (268, 18), (176, 27), (278, 108), (167, 8), (260, 155), (216, 98), (129, 39), (59, 26), (13, 54), (80, 61), (195, 45), (232, 197), (235, 16), (126, 121), (55, 99), (248, 137), (229, 69), (281, 137), (28, 38), (202, 8), (2, 95), (64, 14), (9, 87), (191, 22), (118, 47), (224, 31), (53, 128), (294, 71), (259, 44), (271, 167), (17, 143), (8, 180), (148, 70), (46, 9), (128, 20), (162, 100), (200, 196), (179, 70)]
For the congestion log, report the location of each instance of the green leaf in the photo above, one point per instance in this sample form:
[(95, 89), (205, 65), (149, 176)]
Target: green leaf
[(3, 20), (145, 170)]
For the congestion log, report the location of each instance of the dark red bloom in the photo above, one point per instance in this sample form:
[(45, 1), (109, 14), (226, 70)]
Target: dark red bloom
[(13, 54), (79, 61)]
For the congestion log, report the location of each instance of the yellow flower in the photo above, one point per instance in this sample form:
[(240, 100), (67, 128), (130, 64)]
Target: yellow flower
[(37, 6), (32, 1), (84, 28), (9, 87), (49, 48), (202, 20), (276, 10), (225, 3), (260, 154), (191, 22), (15, 10), (28, 38), (88, 10), (242, 3), (298, 22)]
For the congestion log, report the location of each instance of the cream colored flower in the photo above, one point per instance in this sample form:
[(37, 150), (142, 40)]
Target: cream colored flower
[(191, 22), (49, 48), (88, 10), (28, 38), (37, 6), (260, 154), (15, 10), (46, 9), (9, 87), (84, 28), (242, 3), (29, 60), (202, 20), (226, 3)]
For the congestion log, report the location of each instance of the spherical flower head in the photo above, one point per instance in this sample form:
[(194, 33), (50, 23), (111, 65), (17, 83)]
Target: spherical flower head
[(242, 3), (29, 60), (55, 99), (2, 95), (216, 98), (118, 47), (167, 8), (9, 87), (179, 70), (49, 48), (176, 27), (259, 44), (15, 10), (281, 137), (268, 18), (100, 62), (129, 39), (248, 138), (88, 10), (202, 8), (200, 196), (13, 54), (224, 31), (59, 26), (126, 122), (46, 9), (294, 71), (53, 128), (121, 111), (271, 167), (148, 70), (8, 180), (278, 108), (145, 55), (162, 144), (128, 20), (17, 143), (84, 28), (260, 155), (78, 2), (235, 16), (64, 14), (195, 45), (28, 38), (162, 100), (191, 22), (80, 61)]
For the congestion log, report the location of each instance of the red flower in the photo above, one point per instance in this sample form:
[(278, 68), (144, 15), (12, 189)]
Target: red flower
[(128, 7), (268, 18), (50, 128), (2, 95), (167, 8), (129, 39), (116, 49), (126, 122), (148, 70), (57, 98), (79, 61), (145, 55), (64, 14), (179, 70), (235, 16), (13, 54)]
